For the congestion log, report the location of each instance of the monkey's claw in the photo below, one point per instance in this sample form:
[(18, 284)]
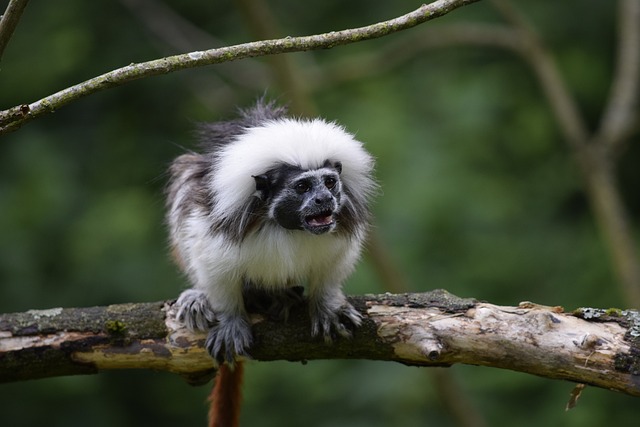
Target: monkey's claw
[(194, 310), (228, 338), (329, 323)]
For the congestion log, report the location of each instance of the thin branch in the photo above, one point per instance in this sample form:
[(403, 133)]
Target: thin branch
[(571, 121), (170, 27), (593, 155), (456, 399), (614, 222), (17, 116), (590, 346), (391, 276), (288, 77), (177, 34), (410, 45), (620, 117), (520, 39), (171, 33), (9, 21)]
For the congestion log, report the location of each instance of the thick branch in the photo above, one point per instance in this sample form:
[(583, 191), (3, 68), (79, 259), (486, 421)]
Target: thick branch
[(15, 117), (9, 21), (589, 346)]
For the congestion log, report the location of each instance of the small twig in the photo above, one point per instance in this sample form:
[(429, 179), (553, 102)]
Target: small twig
[(404, 48), (177, 34), (171, 33), (532, 50), (288, 77), (621, 114), (170, 27), (15, 117), (9, 21)]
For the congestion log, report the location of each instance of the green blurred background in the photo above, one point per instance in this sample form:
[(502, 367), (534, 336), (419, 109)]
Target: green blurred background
[(481, 197)]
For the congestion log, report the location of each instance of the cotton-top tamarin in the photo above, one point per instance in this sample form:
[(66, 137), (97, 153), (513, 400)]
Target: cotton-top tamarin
[(270, 203)]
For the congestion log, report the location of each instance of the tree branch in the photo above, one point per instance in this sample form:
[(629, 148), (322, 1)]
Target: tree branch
[(597, 347), (172, 33), (410, 45), (9, 21), (532, 50), (620, 117), (288, 77), (15, 117), (170, 27), (594, 153)]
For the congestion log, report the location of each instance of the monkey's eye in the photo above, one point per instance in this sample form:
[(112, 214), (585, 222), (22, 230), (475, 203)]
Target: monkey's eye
[(302, 187), (330, 183)]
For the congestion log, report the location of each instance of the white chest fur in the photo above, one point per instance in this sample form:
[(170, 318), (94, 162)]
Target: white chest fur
[(275, 257)]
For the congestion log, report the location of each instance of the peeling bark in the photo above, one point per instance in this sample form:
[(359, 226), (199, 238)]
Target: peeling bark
[(591, 346)]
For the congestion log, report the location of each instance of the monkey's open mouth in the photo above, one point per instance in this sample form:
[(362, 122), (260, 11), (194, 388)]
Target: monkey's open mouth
[(319, 223)]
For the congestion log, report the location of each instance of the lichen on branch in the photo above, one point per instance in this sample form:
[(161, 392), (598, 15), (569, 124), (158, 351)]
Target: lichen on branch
[(588, 346)]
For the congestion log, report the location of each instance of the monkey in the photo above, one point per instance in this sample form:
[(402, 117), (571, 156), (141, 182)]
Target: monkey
[(270, 203)]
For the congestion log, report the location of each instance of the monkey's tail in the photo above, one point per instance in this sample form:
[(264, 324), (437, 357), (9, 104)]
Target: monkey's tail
[(224, 409)]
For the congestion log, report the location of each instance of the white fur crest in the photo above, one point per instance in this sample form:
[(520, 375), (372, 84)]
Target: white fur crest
[(307, 144)]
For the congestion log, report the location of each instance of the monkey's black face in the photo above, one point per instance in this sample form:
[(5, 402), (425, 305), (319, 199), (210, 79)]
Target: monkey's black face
[(303, 199)]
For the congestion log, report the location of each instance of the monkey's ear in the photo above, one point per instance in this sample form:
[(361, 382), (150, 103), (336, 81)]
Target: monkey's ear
[(262, 186), (337, 165)]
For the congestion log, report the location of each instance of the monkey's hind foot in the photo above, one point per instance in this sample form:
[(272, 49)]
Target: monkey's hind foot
[(230, 337), (330, 323), (194, 310)]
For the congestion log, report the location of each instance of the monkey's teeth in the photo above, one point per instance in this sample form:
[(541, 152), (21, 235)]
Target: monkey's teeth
[(320, 220)]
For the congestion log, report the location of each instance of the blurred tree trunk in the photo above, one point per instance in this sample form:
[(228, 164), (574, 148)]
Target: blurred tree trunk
[(613, 221), (596, 152)]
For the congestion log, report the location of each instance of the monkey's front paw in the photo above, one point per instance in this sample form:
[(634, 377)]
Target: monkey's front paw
[(331, 322), (194, 310), (230, 337)]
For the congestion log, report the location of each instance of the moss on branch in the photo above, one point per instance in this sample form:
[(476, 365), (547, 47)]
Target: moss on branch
[(589, 346)]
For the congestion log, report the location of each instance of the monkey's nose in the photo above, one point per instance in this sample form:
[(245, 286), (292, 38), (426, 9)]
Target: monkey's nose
[(323, 198)]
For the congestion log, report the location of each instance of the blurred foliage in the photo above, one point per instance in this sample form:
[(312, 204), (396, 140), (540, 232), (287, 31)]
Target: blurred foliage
[(480, 196)]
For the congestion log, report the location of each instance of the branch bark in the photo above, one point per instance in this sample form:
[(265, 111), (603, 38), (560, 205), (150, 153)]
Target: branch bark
[(9, 21), (591, 346), (15, 117)]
